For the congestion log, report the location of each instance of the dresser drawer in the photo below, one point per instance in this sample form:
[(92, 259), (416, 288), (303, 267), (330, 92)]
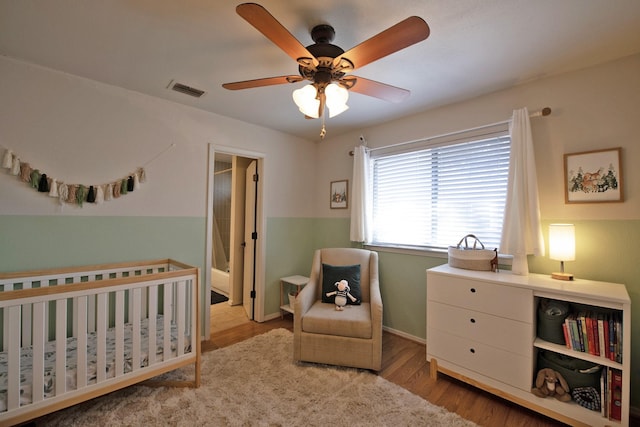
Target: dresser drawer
[(506, 334), (504, 366), (500, 300)]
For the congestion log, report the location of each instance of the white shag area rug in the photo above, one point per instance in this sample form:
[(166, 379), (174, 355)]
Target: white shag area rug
[(257, 383)]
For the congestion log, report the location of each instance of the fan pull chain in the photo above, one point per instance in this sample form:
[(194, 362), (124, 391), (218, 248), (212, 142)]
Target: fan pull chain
[(323, 132)]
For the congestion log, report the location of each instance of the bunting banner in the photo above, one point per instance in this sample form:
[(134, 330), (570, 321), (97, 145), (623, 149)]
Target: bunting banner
[(71, 193)]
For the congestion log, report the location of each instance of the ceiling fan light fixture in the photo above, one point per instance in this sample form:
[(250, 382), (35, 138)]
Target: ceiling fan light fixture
[(337, 97), (307, 101)]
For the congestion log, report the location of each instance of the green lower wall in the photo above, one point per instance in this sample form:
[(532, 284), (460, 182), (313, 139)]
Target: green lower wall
[(39, 242), (290, 246), (289, 252), (605, 251), (35, 242)]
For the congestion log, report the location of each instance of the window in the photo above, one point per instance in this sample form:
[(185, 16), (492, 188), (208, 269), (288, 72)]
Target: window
[(431, 194)]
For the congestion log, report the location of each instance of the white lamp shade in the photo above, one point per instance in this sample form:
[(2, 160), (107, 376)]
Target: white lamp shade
[(337, 97), (562, 242), (305, 99)]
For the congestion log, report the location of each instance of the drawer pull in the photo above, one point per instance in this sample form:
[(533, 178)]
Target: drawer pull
[(472, 350), (473, 290), (472, 320)]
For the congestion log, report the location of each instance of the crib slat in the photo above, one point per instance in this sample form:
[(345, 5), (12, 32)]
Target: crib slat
[(47, 327), (37, 392), (135, 329), (91, 309), (13, 356), (26, 318), (153, 315), (5, 318), (5, 329), (61, 346), (81, 362), (119, 329), (101, 335), (180, 316), (74, 309), (168, 303)]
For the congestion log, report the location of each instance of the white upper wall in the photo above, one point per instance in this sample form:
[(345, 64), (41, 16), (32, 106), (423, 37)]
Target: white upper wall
[(593, 109), (84, 132)]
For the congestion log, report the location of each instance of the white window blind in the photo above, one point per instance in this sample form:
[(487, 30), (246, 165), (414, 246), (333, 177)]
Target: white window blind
[(432, 197)]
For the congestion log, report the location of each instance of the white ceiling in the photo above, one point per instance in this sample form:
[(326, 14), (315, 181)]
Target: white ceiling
[(475, 47)]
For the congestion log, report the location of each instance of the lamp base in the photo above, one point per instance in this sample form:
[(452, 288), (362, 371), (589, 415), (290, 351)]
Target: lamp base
[(562, 276)]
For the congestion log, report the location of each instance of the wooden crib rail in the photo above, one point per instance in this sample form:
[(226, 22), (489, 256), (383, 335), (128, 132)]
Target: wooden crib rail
[(89, 273), (35, 293)]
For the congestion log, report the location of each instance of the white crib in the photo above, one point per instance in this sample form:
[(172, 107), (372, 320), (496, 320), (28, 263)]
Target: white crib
[(115, 325)]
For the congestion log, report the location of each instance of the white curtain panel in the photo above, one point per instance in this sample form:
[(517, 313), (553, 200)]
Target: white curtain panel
[(360, 197), (521, 230)]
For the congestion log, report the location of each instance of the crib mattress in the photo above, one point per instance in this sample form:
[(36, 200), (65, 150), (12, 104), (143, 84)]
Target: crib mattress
[(26, 357)]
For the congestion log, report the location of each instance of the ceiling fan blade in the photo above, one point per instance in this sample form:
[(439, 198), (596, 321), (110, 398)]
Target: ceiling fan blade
[(269, 26), (378, 90), (269, 81), (403, 34)]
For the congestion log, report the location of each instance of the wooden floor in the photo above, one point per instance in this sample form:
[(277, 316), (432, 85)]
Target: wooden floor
[(403, 362)]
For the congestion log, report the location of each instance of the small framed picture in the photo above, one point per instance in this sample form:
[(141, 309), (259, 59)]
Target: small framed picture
[(593, 176), (339, 194)]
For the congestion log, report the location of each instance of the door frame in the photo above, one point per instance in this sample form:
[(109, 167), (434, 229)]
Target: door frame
[(260, 228)]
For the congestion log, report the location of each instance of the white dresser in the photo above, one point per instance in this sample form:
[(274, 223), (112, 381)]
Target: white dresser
[(481, 329)]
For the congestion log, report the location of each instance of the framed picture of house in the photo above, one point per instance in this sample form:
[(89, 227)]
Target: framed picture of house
[(339, 194), (593, 176)]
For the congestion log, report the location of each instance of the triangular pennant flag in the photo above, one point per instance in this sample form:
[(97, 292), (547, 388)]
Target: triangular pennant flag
[(35, 178), (117, 186), (53, 188), (25, 172), (15, 168), (108, 193), (91, 195), (99, 195), (63, 191), (43, 184), (7, 160)]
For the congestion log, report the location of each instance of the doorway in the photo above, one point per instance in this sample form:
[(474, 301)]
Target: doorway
[(234, 264)]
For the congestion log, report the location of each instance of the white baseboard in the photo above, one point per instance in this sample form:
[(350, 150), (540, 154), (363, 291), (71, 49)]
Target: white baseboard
[(270, 317), (404, 335)]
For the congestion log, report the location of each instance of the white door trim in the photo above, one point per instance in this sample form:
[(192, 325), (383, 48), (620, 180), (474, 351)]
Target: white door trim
[(261, 229)]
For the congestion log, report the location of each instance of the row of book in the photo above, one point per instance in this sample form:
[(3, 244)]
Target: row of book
[(611, 394), (596, 333)]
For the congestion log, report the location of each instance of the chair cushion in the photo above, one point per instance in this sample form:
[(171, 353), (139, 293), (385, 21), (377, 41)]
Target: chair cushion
[(334, 273), (354, 321)]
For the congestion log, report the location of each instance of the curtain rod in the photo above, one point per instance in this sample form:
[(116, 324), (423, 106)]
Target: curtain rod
[(540, 113)]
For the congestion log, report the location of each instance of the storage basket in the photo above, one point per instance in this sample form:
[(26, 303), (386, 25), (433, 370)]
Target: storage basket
[(551, 315), (292, 299), (472, 257), (577, 372)]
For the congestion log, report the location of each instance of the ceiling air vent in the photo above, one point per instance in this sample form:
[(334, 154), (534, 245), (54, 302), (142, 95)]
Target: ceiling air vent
[(187, 90)]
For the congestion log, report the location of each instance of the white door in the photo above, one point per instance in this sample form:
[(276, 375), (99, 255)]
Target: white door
[(250, 241)]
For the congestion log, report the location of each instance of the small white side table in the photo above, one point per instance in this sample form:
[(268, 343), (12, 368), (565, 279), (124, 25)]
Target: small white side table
[(298, 282)]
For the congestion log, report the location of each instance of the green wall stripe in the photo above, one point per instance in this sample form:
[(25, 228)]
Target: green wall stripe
[(34, 242)]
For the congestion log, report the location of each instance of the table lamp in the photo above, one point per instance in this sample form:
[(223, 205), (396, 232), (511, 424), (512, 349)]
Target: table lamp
[(562, 247)]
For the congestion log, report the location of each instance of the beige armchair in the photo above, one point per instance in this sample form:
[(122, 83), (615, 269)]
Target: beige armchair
[(352, 337)]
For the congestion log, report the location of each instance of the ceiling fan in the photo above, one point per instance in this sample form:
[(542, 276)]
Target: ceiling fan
[(327, 66)]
